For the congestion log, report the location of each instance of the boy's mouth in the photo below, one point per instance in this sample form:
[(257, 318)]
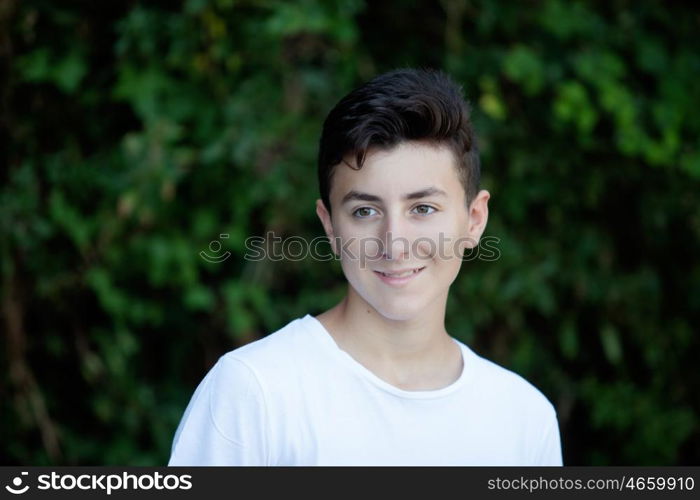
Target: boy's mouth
[(402, 274)]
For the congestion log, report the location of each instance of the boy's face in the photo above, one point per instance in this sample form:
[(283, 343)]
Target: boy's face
[(400, 224)]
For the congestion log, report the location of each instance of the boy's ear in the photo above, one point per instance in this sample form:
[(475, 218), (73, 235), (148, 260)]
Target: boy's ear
[(325, 218), (478, 216)]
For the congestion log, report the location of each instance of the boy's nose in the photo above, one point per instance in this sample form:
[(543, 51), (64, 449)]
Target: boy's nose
[(396, 239)]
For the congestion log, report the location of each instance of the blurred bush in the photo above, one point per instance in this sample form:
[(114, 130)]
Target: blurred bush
[(136, 135)]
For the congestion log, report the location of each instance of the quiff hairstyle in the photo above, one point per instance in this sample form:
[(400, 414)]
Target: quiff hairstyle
[(401, 105)]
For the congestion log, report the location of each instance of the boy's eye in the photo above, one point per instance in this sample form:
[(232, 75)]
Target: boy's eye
[(424, 209), (363, 212)]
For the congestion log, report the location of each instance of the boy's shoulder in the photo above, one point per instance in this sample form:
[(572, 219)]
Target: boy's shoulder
[(496, 382), (279, 350)]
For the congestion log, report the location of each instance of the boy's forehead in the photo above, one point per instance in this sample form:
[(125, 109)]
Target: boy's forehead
[(404, 168), (419, 150)]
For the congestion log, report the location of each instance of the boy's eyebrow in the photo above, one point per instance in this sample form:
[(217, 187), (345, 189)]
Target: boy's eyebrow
[(423, 193)]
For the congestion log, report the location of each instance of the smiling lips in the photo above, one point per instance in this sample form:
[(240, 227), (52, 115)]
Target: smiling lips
[(399, 277)]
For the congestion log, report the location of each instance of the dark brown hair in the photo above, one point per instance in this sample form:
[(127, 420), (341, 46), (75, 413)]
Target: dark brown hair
[(401, 105)]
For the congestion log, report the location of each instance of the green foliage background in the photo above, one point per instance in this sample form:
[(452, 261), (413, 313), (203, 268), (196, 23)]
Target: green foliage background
[(135, 133)]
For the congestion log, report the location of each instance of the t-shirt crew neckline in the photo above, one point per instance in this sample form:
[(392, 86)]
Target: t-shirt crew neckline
[(325, 337)]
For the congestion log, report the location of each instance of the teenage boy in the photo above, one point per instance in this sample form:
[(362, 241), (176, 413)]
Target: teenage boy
[(377, 380)]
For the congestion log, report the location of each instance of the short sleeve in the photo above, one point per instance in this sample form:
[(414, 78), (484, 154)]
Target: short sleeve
[(225, 420)]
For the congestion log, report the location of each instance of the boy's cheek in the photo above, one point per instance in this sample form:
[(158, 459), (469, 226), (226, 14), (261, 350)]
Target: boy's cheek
[(441, 246)]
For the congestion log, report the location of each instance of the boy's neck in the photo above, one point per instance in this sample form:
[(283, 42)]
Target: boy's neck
[(413, 354)]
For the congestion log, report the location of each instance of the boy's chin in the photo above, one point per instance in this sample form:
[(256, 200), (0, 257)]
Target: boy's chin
[(399, 312), (399, 308)]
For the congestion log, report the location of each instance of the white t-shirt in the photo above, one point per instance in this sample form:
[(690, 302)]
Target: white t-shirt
[(295, 398)]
